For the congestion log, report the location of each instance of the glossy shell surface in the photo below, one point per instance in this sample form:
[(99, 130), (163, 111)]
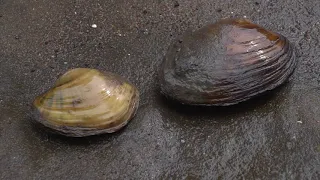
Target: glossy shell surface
[(225, 63), (87, 102)]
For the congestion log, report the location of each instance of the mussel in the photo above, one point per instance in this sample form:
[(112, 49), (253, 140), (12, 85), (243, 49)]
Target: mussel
[(225, 63), (85, 102)]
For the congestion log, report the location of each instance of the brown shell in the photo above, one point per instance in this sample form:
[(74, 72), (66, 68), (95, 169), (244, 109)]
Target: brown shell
[(225, 63)]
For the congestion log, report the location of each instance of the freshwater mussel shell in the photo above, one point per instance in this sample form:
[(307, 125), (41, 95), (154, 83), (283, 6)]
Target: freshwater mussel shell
[(225, 63), (85, 102)]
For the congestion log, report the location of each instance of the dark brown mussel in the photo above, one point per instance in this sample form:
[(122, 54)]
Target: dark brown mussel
[(225, 63)]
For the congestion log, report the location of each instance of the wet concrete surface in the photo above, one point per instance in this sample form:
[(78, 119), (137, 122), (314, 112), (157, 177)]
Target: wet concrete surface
[(276, 136)]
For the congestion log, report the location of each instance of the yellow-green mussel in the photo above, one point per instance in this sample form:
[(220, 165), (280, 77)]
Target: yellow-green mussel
[(85, 102)]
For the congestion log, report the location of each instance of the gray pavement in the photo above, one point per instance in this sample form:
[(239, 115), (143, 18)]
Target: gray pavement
[(276, 136)]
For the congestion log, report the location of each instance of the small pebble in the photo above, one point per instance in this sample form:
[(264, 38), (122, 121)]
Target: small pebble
[(65, 62), (176, 4), (183, 141), (299, 122), (94, 26)]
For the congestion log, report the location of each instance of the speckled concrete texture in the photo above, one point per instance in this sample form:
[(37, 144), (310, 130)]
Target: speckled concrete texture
[(276, 136)]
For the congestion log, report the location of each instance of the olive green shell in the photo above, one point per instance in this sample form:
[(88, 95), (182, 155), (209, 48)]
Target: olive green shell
[(87, 102)]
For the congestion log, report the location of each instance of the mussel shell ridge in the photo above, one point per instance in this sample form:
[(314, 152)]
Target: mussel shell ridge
[(225, 63), (87, 102)]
